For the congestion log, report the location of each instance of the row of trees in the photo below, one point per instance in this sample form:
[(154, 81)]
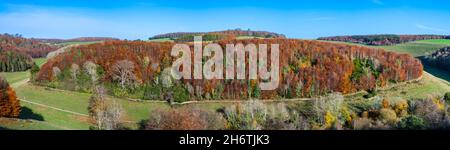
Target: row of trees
[(205, 37), (439, 59), (9, 104), (382, 39), (32, 47), (308, 69), (12, 61)]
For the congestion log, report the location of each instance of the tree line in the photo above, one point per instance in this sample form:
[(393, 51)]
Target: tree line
[(382, 39)]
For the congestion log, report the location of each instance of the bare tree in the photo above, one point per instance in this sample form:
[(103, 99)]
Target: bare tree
[(91, 69), (123, 72), (74, 71), (56, 71), (106, 113)]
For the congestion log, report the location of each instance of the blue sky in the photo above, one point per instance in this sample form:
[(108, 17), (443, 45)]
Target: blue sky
[(139, 19)]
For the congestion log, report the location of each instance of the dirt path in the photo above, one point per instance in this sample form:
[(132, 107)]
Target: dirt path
[(58, 109), (22, 82)]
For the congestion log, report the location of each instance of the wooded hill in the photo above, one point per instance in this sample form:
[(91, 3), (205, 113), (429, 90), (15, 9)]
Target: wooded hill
[(307, 69), (31, 47), (382, 39), (80, 39), (233, 33)]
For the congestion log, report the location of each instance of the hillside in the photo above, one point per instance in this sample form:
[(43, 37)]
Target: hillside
[(75, 40), (382, 39), (233, 33), (32, 47), (308, 69)]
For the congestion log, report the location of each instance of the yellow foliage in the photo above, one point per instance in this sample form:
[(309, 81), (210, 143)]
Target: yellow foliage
[(401, 108), (365, 114), (346, 114), (385, 103), (330, 119), (439, 103)]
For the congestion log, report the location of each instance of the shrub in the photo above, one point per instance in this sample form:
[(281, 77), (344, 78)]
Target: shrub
[(401, 108), (153, 92), (447, 97), (362, 124), (433, 116), (411, 122), (326, 109), (179, 94), (388, 116), (184, 119), (250, 115)]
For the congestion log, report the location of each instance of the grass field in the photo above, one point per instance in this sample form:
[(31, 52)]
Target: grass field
[(14, 77), (418, 48), (160, 40), (40, 61), (76, 102)]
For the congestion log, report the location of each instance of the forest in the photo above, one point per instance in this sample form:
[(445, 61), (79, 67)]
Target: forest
[(136, 69), (382, 39), (31, 47), (234, 33), (439, 59), (13, 61)]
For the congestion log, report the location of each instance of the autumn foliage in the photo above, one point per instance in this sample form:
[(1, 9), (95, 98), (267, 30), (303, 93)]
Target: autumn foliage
[(9, 104), (32, 47), (307, 68)]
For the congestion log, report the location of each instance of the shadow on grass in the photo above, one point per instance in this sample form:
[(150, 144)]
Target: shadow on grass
[(3, 128), (27, 113), (437, 72)]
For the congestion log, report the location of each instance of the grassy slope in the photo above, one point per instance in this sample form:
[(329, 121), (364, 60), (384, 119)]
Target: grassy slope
[(418, 48), (76, 102)]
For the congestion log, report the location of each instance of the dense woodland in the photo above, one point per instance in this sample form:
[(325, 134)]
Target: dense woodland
[(80, 39), (382, 39), (235, 33), (13, 61), (9, 104), (440, 59), (31, 47), (308, 69)]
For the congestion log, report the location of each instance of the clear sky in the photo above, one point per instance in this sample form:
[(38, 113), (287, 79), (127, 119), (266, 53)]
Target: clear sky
[(139, 19)]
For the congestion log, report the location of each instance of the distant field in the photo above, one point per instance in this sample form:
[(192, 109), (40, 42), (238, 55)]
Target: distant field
[(14, 77), (40, 61), (160, 40), (418, 48), (71, 43)]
